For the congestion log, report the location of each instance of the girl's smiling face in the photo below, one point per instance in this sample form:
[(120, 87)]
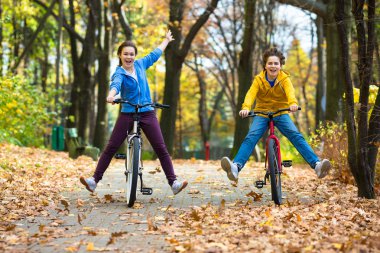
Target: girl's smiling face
[(273, 67), (127, 57)]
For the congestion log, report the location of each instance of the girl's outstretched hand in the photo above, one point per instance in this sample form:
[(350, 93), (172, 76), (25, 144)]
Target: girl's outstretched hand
[(169, 36)]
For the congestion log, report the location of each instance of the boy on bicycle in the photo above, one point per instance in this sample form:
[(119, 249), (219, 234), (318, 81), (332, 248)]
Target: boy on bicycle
[(272, 90)]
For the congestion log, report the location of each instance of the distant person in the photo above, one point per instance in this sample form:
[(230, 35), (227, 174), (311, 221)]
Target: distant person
[(272, 90), (131, 82)]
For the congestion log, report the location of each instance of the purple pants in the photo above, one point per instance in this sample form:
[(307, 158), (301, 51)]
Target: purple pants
[(149, 124)]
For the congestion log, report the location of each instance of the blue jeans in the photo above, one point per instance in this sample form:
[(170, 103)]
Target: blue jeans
[(286, 127)]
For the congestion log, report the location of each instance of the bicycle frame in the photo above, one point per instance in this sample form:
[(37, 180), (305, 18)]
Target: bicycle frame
[(274, 137)]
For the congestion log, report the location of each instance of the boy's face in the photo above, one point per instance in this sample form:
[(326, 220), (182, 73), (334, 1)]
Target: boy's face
[(273, 67)]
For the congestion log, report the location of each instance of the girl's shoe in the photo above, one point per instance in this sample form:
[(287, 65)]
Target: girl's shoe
[(178, 186), (89, 183)]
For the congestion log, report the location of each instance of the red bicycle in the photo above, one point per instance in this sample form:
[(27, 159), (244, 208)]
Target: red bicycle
[(273, 162)]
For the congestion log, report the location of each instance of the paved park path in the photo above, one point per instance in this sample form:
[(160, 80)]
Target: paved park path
[(102, 221)]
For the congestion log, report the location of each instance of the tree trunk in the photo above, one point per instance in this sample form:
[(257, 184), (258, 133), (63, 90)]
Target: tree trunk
[(72, 111), (334, 73), (44, 63), (245, 72), (202, 111), (87, 84), (171, 95), (366, 45), (174, 57), (358, 146), (100, 133), (320, 105), (82, 91), (58, 59)]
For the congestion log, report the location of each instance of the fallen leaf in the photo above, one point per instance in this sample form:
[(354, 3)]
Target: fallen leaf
[(193, 191), (90, 246), (151, 225), (108, 197), (255, 196), (65, 203)]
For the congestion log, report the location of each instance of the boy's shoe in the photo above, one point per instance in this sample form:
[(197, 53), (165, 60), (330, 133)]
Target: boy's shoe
[(178, 186), (89, 183), (231, 168), (322, 168)]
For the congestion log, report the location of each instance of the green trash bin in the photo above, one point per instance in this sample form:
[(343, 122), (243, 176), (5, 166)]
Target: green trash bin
[(58, 138)]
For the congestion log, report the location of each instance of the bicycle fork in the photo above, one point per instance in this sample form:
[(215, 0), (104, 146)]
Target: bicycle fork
[(136, 132)]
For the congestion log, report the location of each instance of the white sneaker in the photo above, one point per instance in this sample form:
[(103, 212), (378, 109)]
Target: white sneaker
[(89, 183), (322, 168), (178, 186), (231, 168)]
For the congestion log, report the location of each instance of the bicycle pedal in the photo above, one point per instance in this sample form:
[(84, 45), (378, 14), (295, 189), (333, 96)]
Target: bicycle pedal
[(287, 163), (146, 191), (259, 184), (120, 156)]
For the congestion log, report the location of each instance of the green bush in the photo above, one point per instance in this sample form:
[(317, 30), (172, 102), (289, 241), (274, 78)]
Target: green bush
[(23, 112)]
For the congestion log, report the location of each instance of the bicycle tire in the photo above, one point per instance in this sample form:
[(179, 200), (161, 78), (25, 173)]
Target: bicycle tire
[(275, 175), (132, 164)]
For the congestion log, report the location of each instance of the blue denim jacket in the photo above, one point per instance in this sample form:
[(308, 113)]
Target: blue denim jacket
[(135, 91)]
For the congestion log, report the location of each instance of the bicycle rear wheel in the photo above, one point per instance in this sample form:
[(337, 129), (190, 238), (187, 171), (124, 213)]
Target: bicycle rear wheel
[(274, 172), (132, 164)]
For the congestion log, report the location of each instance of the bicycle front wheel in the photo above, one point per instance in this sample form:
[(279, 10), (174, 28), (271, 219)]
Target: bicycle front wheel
[(132, 164), (274, 172)]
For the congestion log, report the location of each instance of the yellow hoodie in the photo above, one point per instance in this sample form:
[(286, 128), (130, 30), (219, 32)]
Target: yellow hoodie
[(268, 98)]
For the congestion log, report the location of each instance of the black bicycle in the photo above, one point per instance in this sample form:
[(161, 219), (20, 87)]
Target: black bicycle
[(273, 162), (133, 163)]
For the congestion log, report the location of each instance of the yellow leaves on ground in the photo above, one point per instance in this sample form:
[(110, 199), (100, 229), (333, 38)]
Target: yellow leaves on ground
[(31, 181), (318, 216)]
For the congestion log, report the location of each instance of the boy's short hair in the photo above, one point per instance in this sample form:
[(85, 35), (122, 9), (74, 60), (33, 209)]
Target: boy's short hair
[(273, 51)]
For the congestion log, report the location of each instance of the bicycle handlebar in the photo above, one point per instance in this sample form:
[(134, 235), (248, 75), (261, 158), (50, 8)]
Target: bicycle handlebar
[(253, 114), (156, 105)]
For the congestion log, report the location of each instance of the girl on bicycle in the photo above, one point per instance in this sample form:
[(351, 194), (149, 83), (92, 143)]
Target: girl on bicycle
[(131, 82), (272, 90)]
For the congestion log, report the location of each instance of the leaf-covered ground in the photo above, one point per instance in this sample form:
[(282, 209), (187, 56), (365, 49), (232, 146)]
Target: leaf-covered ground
[(337, 222), (31, 183), (318, 215)]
